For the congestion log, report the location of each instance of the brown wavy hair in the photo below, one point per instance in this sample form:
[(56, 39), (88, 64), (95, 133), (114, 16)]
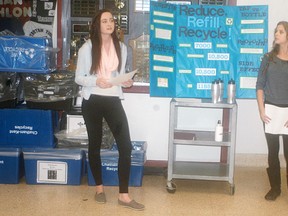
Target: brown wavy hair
[(96, 39), (275, 49)]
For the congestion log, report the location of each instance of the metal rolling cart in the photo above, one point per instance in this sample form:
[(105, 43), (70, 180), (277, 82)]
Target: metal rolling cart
[(218, 171)]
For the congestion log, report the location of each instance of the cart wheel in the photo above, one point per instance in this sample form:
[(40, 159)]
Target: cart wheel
[(171, 187), (232, 189)]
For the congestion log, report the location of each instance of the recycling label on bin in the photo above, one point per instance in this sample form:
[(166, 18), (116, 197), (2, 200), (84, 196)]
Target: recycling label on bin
[(52, 172)]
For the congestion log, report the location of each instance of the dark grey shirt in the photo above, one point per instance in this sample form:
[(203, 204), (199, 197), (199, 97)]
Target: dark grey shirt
[(273, 79)]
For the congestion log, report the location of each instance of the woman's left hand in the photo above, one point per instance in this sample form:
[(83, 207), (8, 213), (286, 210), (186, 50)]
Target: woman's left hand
[(286, 124), (128, 83)]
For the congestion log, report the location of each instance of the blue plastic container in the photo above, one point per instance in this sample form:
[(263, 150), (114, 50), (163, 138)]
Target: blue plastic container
[(110, 165), (53, 166), (27, 54), (11, 165), (28, 128)]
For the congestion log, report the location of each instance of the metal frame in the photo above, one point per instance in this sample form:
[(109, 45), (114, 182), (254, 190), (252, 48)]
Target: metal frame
[(217, 171)]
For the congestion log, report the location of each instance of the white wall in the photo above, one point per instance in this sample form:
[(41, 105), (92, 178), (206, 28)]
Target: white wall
[(149, 117)]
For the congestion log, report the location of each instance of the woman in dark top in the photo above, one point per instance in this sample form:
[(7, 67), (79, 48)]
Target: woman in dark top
[(272, 99)]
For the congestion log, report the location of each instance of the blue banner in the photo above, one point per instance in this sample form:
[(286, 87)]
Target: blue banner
[(192, 45)]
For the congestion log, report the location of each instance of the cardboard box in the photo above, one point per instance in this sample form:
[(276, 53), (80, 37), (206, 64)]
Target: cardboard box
[(110, 165), (53, 166), (11, 165), (28, 128)]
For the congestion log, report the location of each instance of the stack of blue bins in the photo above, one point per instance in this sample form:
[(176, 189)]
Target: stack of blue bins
[(22, 128), (27, 141)]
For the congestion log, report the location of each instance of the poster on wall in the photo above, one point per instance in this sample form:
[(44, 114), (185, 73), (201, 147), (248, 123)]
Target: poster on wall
[(32, 18), (251, 44), (193, 45)]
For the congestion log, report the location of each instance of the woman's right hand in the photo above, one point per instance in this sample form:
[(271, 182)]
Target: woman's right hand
[(103, 83), (266, 119)]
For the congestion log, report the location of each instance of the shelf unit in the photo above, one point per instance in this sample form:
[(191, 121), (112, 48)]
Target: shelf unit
[(218, 171)]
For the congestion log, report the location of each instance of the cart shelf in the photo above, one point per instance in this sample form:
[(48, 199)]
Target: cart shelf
[(218, 171)]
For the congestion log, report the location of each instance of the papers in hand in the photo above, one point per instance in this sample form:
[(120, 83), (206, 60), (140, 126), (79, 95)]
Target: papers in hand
[(118, 80), (278, 115)]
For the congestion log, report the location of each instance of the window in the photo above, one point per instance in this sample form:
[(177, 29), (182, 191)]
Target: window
[(142, 5)]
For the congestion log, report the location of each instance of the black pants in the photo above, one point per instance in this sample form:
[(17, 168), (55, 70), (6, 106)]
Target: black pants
[(273, 144), (111, 109)]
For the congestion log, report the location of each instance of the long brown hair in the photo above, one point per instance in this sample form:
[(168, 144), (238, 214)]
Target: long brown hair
[(275, 49), (96, 39)]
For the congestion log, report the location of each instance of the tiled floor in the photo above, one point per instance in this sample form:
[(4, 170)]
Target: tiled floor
[(191, 198)]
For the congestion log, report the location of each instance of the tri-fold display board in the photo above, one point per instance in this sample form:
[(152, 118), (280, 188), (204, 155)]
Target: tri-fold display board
[(192, 45)]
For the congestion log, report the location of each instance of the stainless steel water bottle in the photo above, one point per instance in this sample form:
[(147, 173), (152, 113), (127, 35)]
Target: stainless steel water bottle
[(221, 90), (215, 91), (231, 91)]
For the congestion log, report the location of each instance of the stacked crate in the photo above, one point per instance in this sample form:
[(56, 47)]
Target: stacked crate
[(28, 74), (46, 135)]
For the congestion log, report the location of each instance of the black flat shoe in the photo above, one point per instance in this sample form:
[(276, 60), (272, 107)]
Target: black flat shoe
[(272, 195)]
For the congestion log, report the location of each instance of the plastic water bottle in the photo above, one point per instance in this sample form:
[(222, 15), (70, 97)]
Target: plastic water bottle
[(231, 91), (219, 132), (215, 91)]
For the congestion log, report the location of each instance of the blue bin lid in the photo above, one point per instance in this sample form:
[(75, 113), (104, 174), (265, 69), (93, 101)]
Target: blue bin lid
[(45, 153), (10, 151)]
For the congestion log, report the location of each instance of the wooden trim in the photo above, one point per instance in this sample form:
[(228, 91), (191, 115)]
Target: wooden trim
[(137, 89), (156, 163)]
